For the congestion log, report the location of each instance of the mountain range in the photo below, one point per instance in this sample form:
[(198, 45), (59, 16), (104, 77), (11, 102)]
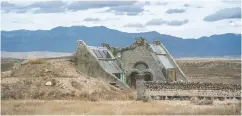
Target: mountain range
[(63, 39)]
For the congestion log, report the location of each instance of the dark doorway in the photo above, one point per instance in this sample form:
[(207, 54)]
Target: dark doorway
[(148, 76)]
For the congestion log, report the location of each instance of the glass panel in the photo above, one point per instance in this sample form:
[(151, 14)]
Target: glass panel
[(158, 49), (107, 54), (97, 53), (102, 53), (166, 61), (117, 75)]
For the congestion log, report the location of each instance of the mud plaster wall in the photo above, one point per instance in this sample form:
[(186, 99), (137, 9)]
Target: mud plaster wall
[(89, 65), (141, 54)]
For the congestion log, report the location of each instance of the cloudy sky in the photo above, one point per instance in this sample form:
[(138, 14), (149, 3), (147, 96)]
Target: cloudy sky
[(181, 18)]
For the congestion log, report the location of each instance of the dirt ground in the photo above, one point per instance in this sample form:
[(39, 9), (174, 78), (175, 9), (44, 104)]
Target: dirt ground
[(212, 70), (70, 107), (24, 90)]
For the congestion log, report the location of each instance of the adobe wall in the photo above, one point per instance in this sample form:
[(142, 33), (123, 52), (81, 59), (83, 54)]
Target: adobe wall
[(89, 65)]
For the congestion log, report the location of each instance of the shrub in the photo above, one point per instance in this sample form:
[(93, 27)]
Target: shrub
[(73, 93), (196, 101), (35, 61), (146, 99)]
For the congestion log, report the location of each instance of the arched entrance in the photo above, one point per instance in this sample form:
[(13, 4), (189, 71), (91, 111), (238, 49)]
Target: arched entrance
[(131, 81)]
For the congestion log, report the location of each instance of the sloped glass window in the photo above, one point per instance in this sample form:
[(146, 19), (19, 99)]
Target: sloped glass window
[(158, 49), (166, 62), (97, 53), (107, 54), (118, 75), (102, 53)]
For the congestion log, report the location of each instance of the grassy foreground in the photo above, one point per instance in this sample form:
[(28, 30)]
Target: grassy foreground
[(68, 107)]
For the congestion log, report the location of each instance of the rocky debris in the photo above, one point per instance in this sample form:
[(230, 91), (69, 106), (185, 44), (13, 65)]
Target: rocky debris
[(6, 74), (47, 70), (159, 85), (49, 83)]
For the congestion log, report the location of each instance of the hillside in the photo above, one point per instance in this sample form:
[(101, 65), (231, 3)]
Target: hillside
[(63, 39)]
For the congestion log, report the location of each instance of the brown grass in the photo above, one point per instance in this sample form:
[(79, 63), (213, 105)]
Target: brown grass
[(71, 107), (212, 70)]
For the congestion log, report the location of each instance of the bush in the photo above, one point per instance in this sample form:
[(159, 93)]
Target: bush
[(73, 93), (35, 61), (146, 99), (196, 101)]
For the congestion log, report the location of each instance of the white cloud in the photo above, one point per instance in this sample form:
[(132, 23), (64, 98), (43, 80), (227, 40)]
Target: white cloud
[(137, 25), (194, 28)]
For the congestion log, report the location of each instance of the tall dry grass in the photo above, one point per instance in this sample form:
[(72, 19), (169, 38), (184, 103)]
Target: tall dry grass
[(69, 107)]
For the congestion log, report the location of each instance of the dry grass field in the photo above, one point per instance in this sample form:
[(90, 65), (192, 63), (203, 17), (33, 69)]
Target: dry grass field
[(218, 70), (69, 107)]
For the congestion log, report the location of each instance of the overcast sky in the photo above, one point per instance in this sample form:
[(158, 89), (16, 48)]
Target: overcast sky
[(181, 18)]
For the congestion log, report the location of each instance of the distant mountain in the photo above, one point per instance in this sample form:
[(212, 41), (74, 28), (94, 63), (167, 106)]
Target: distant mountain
[(63, 39)]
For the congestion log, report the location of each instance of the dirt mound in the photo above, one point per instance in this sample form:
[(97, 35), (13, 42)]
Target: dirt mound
[(56, 79), (52, 68), (60, 88)]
